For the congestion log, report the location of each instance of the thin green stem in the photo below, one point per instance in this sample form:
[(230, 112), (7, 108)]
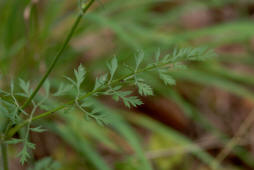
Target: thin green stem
[(13, 130), (4, 156), (57, 57), (66, 42)]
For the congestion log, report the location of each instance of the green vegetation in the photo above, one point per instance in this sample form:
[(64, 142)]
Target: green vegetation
[(90, 116)]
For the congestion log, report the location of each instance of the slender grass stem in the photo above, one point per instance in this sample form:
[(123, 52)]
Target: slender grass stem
[(27, 102), (4, 156), (66, 42), (13, 130), (53, 64)]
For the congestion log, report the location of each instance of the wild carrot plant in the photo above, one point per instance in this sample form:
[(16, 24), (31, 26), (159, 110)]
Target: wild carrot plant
[(15, 101)]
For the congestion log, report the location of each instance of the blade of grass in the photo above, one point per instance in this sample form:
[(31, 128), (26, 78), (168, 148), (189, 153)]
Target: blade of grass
[(81, 145), (199, 76), (161, 129), (191, 112), (4, 156)]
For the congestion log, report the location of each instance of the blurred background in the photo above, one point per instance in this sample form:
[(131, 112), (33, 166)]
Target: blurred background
[(205, 119)]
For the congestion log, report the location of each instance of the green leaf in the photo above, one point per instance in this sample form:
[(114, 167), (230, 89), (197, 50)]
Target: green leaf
[(86, 104), (157, 55), (166, 58), (63, 89), (14, 141), (112, 66), (192, 54), (38, 129), (47, 87), (128, 101), (30, 145), (99, 116), (9, 110), (166, 78), (80, 75), (144, 89), (112, 91), (132, 101), (70, 80), (139, 57), (4, 111), (24, 153), (25, 86), (120, 94), (100, 81)]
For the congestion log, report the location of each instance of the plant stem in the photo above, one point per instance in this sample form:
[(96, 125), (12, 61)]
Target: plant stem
[(13, 130), (4, 156), (66, 42)]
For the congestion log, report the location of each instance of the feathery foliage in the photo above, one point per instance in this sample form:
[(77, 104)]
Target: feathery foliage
[(124, 88), (113, 85)]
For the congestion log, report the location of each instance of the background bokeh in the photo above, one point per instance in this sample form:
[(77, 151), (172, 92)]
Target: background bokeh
[(188, 126)]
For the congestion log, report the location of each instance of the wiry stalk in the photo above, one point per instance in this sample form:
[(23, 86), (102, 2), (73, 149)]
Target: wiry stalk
[(66, 42), (13, 130), (84, 9)]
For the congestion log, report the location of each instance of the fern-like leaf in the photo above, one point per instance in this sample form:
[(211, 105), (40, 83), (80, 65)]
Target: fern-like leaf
[(144, 89), (112, 66)]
